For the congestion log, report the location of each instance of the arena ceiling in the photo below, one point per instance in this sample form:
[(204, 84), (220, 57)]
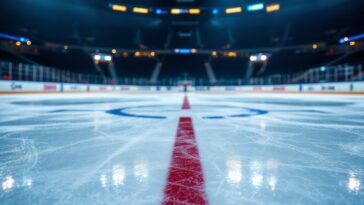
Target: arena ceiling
[(93, 26)]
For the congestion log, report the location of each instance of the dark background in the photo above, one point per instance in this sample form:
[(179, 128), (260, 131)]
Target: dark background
[(91, 24)]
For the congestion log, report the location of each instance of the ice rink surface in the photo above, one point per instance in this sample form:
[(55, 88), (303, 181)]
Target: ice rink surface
[(254, 149)]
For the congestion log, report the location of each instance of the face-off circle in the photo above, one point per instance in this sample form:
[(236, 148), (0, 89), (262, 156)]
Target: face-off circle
[(203, 111)]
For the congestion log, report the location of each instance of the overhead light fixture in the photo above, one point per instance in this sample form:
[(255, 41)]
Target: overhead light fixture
[(116, 7), (144, 54), (97, 57), (185, 50), (194, 11), (233, 10), (232, 54), (175, 11), (263, 57), (140, 10), (108, 58), (255, 7), (273, 8), (102, 57), (258, 58), (229, 54), (253, 58)]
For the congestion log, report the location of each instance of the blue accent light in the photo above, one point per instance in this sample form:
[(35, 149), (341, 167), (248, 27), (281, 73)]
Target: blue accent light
[(259, 58), (343, 41), (14, 38), (160, 11), (215, 11), (185, 50), (352, 38), (255, 7)]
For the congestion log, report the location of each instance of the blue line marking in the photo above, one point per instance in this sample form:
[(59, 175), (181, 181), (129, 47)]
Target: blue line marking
[(64, 110), (312, 111), (122, 112), (213, 117), (251, 113)]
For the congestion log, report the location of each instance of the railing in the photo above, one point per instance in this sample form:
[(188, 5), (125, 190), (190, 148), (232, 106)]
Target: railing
[(26, 72)]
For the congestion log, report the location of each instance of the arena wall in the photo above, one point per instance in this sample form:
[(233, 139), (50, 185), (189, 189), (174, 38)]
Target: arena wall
[(50, 87)]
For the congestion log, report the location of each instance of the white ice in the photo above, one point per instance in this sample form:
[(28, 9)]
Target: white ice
[(67, 149)]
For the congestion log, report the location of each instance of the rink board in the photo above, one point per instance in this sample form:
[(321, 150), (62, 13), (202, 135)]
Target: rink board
[(50, 87)]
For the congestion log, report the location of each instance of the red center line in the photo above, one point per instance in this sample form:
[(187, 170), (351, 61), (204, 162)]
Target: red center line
[(185, 183), (186, 104)]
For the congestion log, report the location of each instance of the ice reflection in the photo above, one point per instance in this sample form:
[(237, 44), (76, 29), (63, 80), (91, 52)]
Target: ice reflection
[(103, 180), (234, 175), (272, 165), (118, 175), (141, 170), (257, 180), (261, 174), (353, 182), (263, 125), (8, 183), (272, 182), (27, 182), (256, 169)]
